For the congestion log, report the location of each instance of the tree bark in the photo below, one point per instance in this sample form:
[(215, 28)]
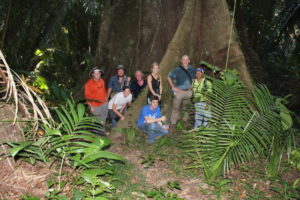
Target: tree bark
[(202, 33)]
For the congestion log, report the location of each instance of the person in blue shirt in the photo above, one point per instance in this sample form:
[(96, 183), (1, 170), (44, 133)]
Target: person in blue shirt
[(118, 82), (151, 122), (180, 80)]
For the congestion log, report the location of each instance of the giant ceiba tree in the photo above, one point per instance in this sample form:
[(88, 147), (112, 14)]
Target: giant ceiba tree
[(137, 33)]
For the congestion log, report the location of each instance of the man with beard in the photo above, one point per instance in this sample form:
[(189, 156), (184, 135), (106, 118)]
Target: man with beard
[(118, 82)]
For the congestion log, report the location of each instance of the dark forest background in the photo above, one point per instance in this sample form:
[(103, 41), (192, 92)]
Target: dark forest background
[(59, 41)]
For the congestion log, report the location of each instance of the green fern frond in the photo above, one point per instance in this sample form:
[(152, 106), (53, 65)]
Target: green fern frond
[(242, 127)]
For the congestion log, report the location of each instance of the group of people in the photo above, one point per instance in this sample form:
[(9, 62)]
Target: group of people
[(186, 82)]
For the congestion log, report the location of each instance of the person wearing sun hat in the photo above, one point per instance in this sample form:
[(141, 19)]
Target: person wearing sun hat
[(118, 81), (95, 94), (201, 86)]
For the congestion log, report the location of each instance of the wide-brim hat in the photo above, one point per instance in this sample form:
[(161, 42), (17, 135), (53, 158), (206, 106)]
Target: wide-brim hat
[(94, 70)]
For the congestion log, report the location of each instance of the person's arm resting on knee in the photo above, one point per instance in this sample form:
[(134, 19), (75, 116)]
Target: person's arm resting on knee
[(114, 108), (151, 120)]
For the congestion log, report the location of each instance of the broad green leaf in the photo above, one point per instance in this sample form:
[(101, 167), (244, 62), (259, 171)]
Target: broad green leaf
[(68, 117), (296, 183), (95, 172), (64, 94), (244, 124), (22, 145), (80, 110), (39, 52), (86, 151), (79, 162), (212, 67), (103, 142), (61, 197), (41, 141), (65, 123), (100, 198), (78, 195), (54, 132), (73, 111), (102, 154), (286, 118)]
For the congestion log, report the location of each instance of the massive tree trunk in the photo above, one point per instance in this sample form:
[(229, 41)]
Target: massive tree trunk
[(136, 33), (200, 29)]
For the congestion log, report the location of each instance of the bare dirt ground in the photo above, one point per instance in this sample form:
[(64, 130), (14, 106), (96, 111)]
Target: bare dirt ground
[(249, 181), (21, 178), (159, 174)]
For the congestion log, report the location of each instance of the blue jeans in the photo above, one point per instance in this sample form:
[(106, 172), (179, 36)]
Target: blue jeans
[(153, 130), (202, 115), (114, 118)]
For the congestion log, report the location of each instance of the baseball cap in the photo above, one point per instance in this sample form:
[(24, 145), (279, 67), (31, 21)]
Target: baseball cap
[(120, 67)]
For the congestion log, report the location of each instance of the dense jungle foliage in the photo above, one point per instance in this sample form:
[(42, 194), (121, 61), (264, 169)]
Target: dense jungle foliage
[(55, 41), (52, 45)]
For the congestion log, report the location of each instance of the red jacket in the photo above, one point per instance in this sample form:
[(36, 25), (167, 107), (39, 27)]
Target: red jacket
[(95, 89)]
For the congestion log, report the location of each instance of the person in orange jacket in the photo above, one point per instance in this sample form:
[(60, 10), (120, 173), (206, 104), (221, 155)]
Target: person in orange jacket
[(95, 94)]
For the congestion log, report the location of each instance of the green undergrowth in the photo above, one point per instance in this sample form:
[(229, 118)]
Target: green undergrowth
[(166, 149), (249, 151), (129, 181), (248, 181)]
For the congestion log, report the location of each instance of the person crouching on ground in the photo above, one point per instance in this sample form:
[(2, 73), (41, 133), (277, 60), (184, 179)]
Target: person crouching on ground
[(150, 120), (95, 93), (201, 86), (118, 104)]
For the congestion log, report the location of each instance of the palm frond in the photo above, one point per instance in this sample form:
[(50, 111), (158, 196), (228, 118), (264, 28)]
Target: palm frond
[(73, 120), (74, 141), (243, 126)]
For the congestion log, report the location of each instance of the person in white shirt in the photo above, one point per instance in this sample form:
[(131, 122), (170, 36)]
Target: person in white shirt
[(117, 105)]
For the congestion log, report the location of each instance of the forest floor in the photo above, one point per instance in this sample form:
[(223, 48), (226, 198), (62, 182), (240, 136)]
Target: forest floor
[(154, 171), (161, 171)]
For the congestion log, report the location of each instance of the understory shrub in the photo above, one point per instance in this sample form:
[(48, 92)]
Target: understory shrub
[(72, 142), (245, 124)]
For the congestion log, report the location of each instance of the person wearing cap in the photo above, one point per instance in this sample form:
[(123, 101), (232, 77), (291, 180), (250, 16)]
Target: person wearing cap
[(180, 80), (118, 81), (201, 87), (95, 93)]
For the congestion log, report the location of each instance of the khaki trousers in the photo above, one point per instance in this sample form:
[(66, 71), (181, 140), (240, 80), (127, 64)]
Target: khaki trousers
[(180, 100), (101, 112)]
